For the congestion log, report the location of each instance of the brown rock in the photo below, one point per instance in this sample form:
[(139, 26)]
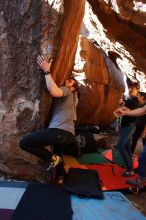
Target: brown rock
[(113, 41), (101, 85), (120, 26), (26, 28)]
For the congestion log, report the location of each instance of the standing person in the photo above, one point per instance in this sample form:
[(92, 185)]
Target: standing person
[(61, 129), (127, 129), (140, 123), (141, 179)]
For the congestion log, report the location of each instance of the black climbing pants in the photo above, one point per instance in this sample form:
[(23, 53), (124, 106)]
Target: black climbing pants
[(36, 142)]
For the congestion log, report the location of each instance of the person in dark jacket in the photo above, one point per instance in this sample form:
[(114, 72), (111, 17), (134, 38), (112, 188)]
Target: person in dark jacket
[(140, 123), (128, 129), (139, 181)]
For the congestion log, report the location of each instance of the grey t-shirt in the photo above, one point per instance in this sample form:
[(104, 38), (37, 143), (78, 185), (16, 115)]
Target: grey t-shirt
[(63, 112)]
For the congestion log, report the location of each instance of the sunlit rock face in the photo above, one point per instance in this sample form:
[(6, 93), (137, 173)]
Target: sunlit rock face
[(28, 28), (120, 26), (101, 84), (97, 41)]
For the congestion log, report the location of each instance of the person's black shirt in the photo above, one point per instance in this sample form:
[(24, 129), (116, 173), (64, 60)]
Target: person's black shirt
[(131, 103), (141, 120)]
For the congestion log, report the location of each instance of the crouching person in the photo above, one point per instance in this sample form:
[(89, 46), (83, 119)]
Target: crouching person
[(60, 129)]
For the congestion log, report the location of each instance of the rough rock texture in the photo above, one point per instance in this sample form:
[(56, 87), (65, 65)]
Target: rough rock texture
[(26, 29), (70, 30), (101, 85), (120, 26), (112, 42)]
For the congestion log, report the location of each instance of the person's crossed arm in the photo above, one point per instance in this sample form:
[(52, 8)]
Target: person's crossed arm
[(119, 112), (135, 112), (54, 90)]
